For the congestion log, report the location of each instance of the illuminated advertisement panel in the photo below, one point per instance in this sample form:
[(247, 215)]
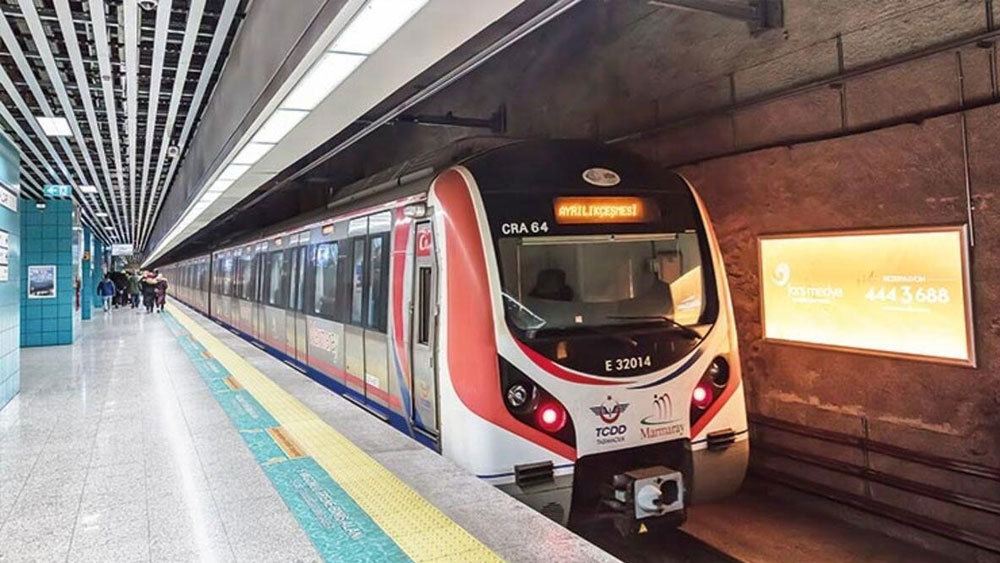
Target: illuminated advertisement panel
[(895, 292)]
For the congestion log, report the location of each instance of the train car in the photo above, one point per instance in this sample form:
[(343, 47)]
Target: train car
[(553, 316)]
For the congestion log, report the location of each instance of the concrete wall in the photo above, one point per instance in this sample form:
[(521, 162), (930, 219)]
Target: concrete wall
[(48, 238), (10, 290)]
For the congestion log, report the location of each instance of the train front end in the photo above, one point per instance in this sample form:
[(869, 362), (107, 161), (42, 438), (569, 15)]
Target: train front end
[(589, 350)]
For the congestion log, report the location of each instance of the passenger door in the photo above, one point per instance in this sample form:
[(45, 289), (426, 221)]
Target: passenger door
[(423, 333)]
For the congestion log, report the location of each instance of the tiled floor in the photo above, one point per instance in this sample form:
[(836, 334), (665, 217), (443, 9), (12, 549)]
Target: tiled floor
[(115, 450)]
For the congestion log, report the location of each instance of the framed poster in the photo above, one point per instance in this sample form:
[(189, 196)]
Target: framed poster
[(4, 239), (899, 292), (41, 282), (4, 273), (8, 199)]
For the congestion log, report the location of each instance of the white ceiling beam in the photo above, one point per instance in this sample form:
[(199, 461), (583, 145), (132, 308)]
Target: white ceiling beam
[(221, 32), (153, 105), (42, 44), (14, 48), (131, 102), (195, 11), (101, 45), (68, 29)]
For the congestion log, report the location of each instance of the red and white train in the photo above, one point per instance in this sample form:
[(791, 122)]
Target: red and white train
[(553, 316)]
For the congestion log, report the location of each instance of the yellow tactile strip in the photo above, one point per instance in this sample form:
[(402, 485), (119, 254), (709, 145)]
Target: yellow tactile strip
[(422, 531)]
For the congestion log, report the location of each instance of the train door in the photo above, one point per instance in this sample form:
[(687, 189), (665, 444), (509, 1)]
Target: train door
[(423, 331), (300, 308), (354, 333), (295, 320), (258, 306)]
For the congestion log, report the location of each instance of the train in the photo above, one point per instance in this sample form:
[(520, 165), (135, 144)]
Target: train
[(552, 315)]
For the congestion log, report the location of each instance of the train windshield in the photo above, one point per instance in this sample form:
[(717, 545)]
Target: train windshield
[(560, 284)]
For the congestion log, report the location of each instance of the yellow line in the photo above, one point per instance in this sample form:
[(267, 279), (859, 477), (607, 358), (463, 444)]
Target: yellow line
[(422, 531)]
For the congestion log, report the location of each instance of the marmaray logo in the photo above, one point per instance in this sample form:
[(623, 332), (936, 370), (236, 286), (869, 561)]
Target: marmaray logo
[(609, 410), (662, 421), (664, 411)]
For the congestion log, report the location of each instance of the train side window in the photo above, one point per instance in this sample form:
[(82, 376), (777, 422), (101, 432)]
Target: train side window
[(424, 312), (358, 282), (325, 279), (378, 282), (274, 293)]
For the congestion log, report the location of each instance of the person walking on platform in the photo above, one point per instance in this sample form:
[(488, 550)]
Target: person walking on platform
[(161, 291), (106, 290), (134, 289), (149, 291)]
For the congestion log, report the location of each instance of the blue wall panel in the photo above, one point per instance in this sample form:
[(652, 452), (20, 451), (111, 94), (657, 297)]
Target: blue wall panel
[(50, 239), (10, 290)]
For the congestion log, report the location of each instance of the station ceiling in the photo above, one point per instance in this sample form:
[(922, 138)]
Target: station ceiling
[(125, 81)]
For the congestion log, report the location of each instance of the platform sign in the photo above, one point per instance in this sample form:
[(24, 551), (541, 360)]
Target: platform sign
[(57, 190), (898, 292), (8, 198), (122, 250)]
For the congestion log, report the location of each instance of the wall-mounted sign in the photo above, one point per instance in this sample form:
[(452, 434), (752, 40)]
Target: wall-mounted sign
[(4, 273), (892, 292), (122, 250), (8, 199), (57, 190), (4, 239), (41, 282), (4, 257)]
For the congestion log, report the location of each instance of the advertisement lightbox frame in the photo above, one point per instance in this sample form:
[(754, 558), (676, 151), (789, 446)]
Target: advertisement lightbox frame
[(970, 329)]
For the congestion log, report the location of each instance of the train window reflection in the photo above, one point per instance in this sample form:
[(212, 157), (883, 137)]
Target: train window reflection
[(596, 280), (358, 281), (326, 279), (274, 289)]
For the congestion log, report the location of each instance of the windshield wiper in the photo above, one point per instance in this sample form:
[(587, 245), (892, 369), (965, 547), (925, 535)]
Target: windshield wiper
[(692, 333)]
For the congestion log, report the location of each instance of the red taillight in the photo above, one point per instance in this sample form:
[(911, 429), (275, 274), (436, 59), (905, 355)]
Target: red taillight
[(550, 417), (701, 397)]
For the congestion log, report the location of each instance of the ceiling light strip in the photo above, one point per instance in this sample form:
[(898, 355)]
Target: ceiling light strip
[(195, 13), (55, 79), (526, 28), (14, 48), (153, 104), (211, 59), (69, 36), (370, 27), (107, 77), (131, 103)]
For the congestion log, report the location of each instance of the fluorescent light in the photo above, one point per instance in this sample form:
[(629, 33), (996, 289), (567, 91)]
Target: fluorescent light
[(108, 227), (234, 171), (374, 24), (100, 214), (88, 189), (325, 75), (221, 185), (209, 197), (278, 125), (251, 153), (55, 126)]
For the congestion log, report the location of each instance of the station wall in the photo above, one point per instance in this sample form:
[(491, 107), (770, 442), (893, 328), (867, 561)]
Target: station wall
[(10, 289), (850, 116)]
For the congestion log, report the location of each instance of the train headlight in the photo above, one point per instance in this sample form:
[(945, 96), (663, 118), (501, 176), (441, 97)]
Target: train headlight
[(551, 417), (718, 372), (518, 395), (701, 397)]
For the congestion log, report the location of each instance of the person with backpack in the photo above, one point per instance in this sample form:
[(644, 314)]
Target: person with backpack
[(134, 289), (161, 291), (106, 290)]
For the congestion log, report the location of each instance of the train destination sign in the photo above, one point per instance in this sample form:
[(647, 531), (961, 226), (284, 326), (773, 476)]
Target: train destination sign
[(605, 210), (892, 292)]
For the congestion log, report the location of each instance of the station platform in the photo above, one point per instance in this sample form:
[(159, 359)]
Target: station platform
[(163, 437)]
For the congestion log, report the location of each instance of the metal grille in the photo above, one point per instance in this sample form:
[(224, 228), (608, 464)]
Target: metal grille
[(131, 77)]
